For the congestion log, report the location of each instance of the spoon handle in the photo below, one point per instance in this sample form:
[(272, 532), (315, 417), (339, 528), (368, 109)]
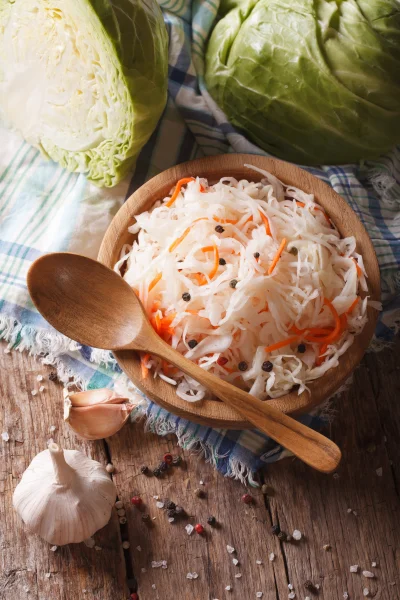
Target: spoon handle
[(310, 446)]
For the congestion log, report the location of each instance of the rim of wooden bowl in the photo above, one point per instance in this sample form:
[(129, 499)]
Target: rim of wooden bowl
[(210, 412)]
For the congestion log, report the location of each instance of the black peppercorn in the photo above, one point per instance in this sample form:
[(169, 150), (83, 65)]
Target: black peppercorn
[(309, 585), (275, 529), (179, 510), (156, 472), (170, 505), (177, 460), (301, 348), (267, 366), (144, 469), (222, 261), (242, 366), (145, 517), (192, 343), (199, 493), (293, 251), (186, 296), (282, 536), (219, 229), (171, 513), (53, 376), (163, 466), (211, 521), (256, 255), (233, 283)]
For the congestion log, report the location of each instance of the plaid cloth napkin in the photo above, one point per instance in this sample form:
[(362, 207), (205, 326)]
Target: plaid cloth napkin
[(45, 209)]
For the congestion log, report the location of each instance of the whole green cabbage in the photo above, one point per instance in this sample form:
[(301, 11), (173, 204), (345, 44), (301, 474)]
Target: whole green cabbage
[(84, 80), (311, 81)]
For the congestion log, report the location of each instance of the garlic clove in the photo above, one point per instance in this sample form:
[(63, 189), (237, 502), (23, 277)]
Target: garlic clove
[(64, 496), (97, 421), (100, 396)]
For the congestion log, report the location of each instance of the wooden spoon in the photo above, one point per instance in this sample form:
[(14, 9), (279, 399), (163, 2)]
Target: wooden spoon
[(93, 305)]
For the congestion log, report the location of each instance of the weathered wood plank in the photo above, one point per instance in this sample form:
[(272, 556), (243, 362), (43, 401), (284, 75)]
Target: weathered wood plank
[(366, 425), (26, 559)]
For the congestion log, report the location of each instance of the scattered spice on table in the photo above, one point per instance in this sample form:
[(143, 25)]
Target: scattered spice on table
[(258, 562), (5, 436), (193, 575), (230, 549), (309, 585), (53, 376), (145, 517), (297, 535), (275, 529), (247, 499), (159, 504), (238, 575), (259, 594), (366, 592), (53, 548), (235, 561), (373, 564), (110, 468), (126, 545), (282, 536), (354, 568), (136, 501), (368, 574), (272, 557), (189, 529), (199, 493), (228, 588), (144, 469), (292, 595), (199, 528), (212, 521), (123, 520), (379, 472), (326, 547)]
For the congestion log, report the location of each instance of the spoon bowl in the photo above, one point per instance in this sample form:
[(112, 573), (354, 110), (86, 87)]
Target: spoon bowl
[(91, 304)]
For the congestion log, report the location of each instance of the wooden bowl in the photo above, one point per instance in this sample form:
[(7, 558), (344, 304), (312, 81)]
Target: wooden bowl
[(213, 412)]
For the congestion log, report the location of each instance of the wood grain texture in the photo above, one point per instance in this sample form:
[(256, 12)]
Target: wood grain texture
[(366, 425), (25, 559), (208, 411)]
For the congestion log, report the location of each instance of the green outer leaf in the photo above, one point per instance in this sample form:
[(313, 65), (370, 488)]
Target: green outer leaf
[(315, 82)]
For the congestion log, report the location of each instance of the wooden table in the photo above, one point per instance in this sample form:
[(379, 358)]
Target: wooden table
[(356, 512)]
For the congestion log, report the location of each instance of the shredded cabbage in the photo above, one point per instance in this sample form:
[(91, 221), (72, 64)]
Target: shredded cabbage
[(228, 271)]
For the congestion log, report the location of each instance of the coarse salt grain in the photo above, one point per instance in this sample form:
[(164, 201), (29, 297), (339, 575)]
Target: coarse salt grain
[(143, 570), (292, 595), (139, 548), (368, 574), (52, 428), (171, 519), (238, 575), (48, 575), (156, 497), (189, 529), (379, 472), (110, 468), (272, 556), (230, 549), (201, 482), (290, 586), (160, 504), (34, 392), (258, 562), (355, 513), (41, 389), (235, 561), (7, 350), (317, 586), (53, 548), (26, 589), (228, 588), (164, 564), (156, 564), (354, 568), (307, 598), (5, 437), (346, 596), (39, 378), (349, 510), (153, 586), (373, 564), (365, 592), (259, 595), (297, 535), (126, 545), (98, 548), (119, 504), (336, 476)]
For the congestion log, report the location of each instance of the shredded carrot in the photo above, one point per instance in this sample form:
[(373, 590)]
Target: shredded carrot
[(155, 281), (281, 344), (295, 329), (184, 234), (321, 358), (157, 320), (265, 309), (202, 188), (338, 329), (228, 369), (165, 367), (156, 306), (266, 223), (192, 312), (144, 370), (359, 270), (224, 221), (178, 186), (207, 249), (352, 306), (301, 204), (201, 280), (343, 322), (248, 220), (277, 256), (214, 270)]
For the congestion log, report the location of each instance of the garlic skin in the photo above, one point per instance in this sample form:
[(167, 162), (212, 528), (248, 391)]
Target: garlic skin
[(96, 414), (64, 496)]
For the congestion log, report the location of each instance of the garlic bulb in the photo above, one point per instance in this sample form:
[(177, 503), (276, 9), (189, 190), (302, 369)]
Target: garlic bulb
[(64, 496), (96, 414)]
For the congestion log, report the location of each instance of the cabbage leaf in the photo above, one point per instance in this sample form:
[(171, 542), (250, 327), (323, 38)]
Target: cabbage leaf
[(311, 81), (85, 81)]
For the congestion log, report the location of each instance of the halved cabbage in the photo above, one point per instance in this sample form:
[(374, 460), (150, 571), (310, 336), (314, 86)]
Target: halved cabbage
[(84, 80)]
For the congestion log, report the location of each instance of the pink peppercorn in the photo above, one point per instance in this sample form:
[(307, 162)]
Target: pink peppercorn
[(136, 500), (199, 528), (247, 499), (222, 361), (134, 596), (168, 458)]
